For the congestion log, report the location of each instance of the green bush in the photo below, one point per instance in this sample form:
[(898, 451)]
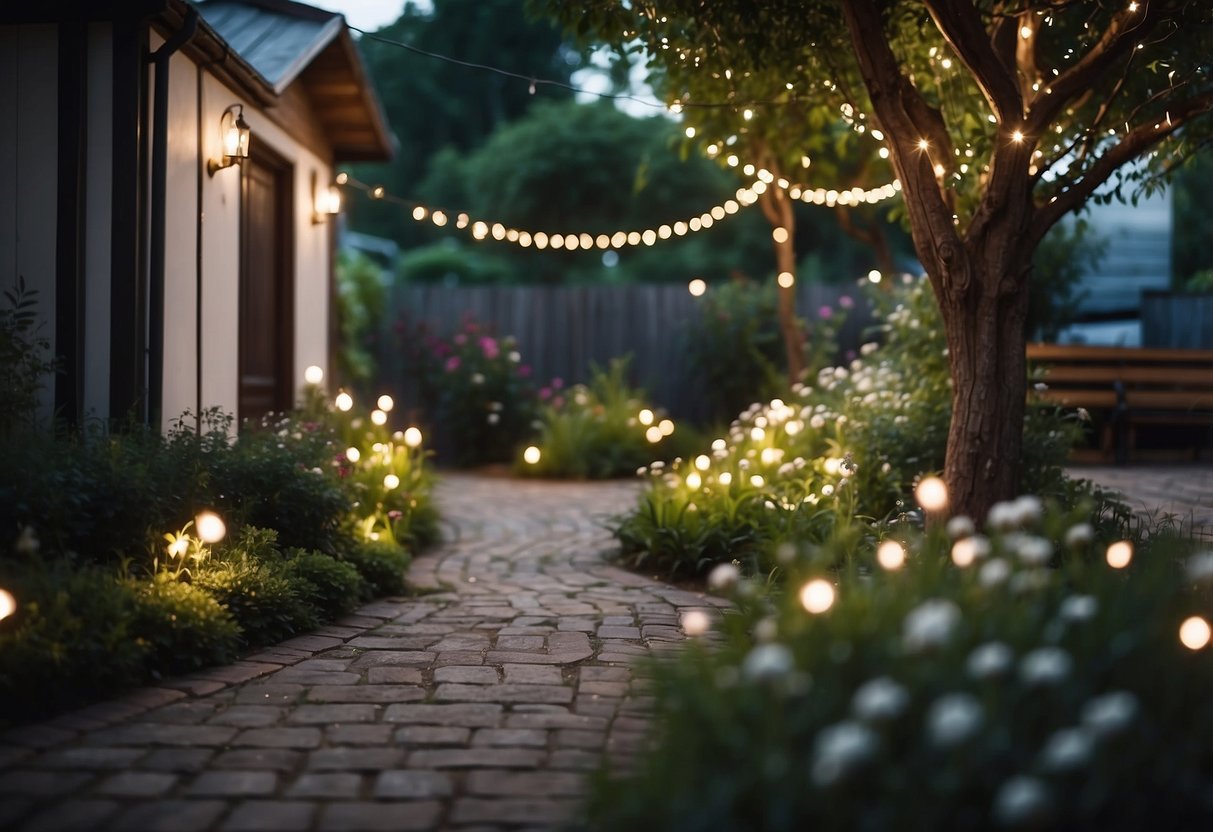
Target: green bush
[(183, 627), (1011, 680), (478, 394), (266, 603), (597, 431), (382, 565), (331, 587), (26, 361), (71, 639), (852, 443)]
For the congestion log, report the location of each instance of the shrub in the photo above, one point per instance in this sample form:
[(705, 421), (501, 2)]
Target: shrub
[(382, 565), (327, 585), (266, 603), (852, 443), (1021, 690), (26, 362), (71, 639), (182, 625), (478, 394), (596, 431)]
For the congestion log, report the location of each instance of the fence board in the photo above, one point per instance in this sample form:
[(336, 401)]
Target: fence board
[(562, 330)]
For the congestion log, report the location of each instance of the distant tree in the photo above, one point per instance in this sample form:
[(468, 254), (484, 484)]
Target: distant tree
[(433, 104), (1192, 224)]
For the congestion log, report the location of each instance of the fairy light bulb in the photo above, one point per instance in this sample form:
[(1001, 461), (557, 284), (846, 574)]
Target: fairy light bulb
[(1195, 633), (313, 375), (379, 417), (1119, 554), (344, 401), (932, 494), (385, 403), (412, 437), (210, 527), (8, 604), (353, 454), (817, 596), (531, 455), (391, 481), (891, 555), (703, 462)]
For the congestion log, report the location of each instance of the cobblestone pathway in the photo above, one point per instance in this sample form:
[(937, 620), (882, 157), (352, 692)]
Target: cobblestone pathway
[(479, 705), (1183, 491)]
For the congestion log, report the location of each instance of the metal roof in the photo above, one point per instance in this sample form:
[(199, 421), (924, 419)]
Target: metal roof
[(279, 40)]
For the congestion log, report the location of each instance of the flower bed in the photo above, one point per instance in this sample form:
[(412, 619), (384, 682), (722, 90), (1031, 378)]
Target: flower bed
[(291, 523)]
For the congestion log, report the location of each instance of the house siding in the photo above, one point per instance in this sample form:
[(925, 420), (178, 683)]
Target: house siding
[(98, 194), (29, 169)]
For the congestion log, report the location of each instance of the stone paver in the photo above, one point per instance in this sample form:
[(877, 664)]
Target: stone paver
[(481, 702)]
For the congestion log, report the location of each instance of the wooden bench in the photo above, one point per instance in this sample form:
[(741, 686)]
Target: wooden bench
[(1130, 386)]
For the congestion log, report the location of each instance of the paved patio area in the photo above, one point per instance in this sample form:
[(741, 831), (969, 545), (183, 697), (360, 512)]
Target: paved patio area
[(1182, 491), (479, 705)]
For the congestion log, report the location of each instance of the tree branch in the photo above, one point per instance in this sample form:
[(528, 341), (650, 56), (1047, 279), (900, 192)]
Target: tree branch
[(1124, 31), (1133, 145), (962, 27)]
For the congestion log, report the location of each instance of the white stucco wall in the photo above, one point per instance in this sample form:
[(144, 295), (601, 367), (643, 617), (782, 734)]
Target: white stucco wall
[(221, 249), (29, 168)]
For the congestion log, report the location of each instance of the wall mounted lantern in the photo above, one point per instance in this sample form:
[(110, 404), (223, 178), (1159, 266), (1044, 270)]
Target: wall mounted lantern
[(234, 133), (326, 200)]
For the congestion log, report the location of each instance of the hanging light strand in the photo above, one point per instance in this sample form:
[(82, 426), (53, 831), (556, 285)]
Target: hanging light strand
[(572, 241)]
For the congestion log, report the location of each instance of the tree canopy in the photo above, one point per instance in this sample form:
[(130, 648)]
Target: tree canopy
[(997, 118)]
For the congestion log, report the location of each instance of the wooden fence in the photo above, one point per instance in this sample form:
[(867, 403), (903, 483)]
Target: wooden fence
[(1177, 319), (562, 330)]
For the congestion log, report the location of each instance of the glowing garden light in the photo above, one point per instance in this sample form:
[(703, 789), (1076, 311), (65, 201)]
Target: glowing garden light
[(666, 427), (694, 481), (695, 623), (786, 280), (757, 481), (531, 455), (645, 417), (697, 287), (725, 478), (353, 454), (703, 462), (891, 555), (344, 401), (1195, 633), (412, 437), (1120, 554), (874, 276), (378, 417), (817, 596), (391, 481), (386, 403), (932, 494), (210, 527), (8, 604), (313, 375)]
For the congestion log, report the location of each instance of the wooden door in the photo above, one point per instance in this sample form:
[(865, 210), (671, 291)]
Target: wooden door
[(266, 286)]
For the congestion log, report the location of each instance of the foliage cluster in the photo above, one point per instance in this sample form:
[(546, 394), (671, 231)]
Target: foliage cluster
[(322, 509), (851, 443), (25, 358), (599, 430), (479, 397), (1039, 675), (361, 296)]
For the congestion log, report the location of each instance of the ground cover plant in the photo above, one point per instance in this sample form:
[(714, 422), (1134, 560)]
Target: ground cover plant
[(132, 556), (849, 442), (598, 430), (1037, 673)]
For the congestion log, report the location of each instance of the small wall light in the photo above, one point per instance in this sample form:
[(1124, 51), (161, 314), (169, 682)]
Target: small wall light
[(326, 200), (234, 132)]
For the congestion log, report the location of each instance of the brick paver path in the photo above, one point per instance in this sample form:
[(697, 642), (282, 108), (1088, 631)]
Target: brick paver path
[(480, 705), (1182, 492)]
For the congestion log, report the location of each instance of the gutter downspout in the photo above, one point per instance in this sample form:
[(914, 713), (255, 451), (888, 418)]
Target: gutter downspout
[(155, 346), (198, 226)]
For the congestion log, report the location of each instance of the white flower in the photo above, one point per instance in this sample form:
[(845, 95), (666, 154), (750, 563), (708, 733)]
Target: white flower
[(840, 749), (961, 526), (827, 490), (766, 630), (1079, 608), (953, 719), (1079, 535), (1003, 516), (768, 662), (989, 660), (1045, 666), (1028, 510), (1200, 567), (515, 356), (879, 700), (1021, 801), (1067, 750), (493, 418), (27, 541), (1032, 550), (994, 572), (930, 624), (1110, 713), (723, 577), (477, 378)]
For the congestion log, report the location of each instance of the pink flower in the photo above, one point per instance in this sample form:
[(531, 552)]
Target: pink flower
[(452, 364), (489, 347), (558, 402), (461, 339), (825, 312), (846, 301), (545, 393), (557, 383), (395, 515), (524, 371)]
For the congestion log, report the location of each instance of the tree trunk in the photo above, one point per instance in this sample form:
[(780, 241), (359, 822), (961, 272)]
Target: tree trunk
[(984, 324), (778, 210)]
